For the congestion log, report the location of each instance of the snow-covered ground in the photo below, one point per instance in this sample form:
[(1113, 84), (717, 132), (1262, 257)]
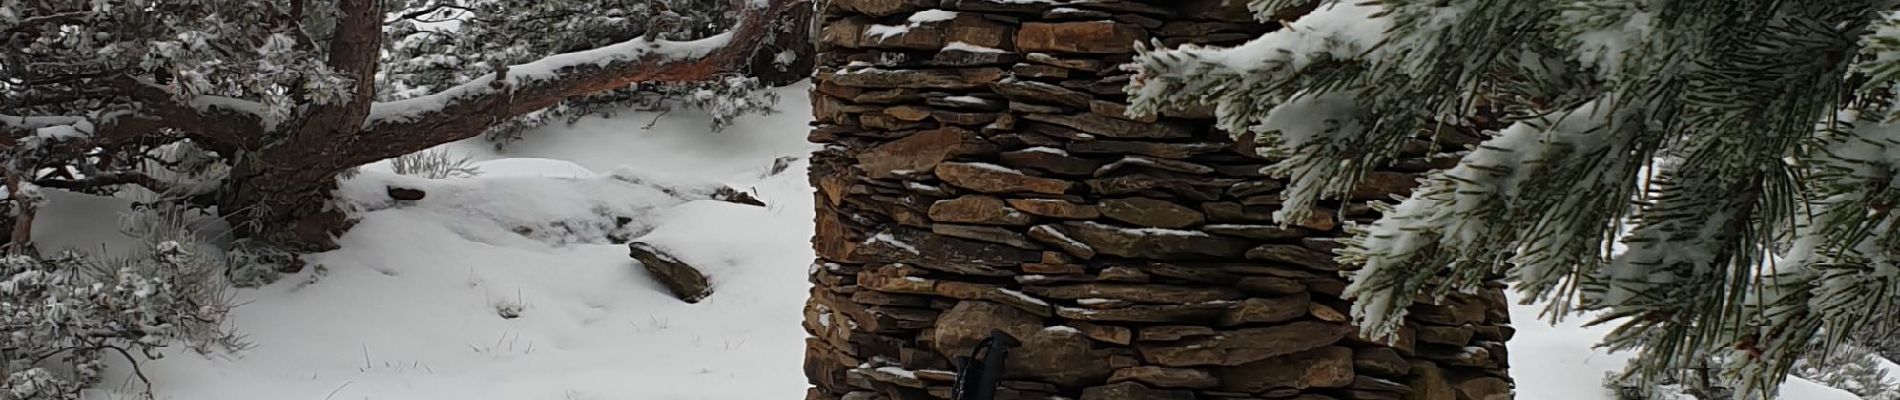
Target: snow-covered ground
[(409, 307)]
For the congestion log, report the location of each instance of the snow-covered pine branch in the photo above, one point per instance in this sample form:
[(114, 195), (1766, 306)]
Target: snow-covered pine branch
[(1716, 175)]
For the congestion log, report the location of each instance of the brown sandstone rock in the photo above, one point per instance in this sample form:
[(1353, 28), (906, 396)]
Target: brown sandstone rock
[(1054, 208), (1038, 92), (1484, 388), (964, 78), (908, 113), (1059, 355), (1263, 310), (1118, 110), (991, 178), (1123, 274), (1380, 361), (1115, 127), (1382, 185), (985, 233), (1170, 313), (1325, 367), (1428, 382), (943, 253), (1185, 378), (1079, 37), (1296, 255), (1169, 333), (1328, 314), (1050, 159), (1055, 237), (1155, 294), (1152, 243), (1186, 188), (1236, 347), (1446, 335), (921, 152), (1142, 211), (1105, 333), (976, 291), (1134, 391), (1270, 285), (1079, 64), (958, 330), (1138, 163), (977, 209)]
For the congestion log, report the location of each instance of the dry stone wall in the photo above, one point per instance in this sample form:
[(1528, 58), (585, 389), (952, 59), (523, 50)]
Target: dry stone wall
[(978, 174)]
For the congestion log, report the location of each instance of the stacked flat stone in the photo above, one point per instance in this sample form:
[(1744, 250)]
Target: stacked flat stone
[(978, 174)]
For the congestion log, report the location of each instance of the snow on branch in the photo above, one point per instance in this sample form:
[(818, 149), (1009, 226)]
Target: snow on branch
[(404, 126), (216, 119)]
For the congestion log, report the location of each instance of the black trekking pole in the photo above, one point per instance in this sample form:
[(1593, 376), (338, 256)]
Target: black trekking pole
[(977, 378)]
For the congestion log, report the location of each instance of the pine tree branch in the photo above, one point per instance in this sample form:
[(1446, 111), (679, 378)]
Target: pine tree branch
[(406, 126), (99, 181), (219, 121)]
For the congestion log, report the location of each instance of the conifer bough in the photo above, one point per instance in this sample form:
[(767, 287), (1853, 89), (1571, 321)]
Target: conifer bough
[(1716, 176)]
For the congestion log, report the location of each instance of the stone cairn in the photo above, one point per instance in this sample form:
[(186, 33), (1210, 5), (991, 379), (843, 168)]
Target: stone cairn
[(978, 174)]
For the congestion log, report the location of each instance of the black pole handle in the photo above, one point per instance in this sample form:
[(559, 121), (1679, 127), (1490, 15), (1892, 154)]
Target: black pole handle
[(977, 380)]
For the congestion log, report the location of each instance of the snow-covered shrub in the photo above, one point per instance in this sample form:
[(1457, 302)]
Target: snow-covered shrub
[(730, 98), (62, 316), (251, 263), (1855, 369), (435, 164)]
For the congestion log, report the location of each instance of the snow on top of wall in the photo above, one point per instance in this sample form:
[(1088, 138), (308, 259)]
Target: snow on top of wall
[(882, 32)]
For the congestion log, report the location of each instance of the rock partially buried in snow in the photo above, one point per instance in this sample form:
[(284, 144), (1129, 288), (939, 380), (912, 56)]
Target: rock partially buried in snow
[(406, 194), (686, 282)]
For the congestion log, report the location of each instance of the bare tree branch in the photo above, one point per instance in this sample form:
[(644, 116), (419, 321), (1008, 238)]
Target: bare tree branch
[(431, 10)]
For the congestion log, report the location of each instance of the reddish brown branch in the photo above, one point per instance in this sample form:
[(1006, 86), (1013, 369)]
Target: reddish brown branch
[(467, 116), (99, 181)]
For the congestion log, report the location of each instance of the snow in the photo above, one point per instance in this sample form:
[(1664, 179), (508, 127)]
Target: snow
[(899, 372), (407, 309), (966, 99), (59, 132), (1560, 361), (918, 19), (886, 237), (1603, 49), (1148, 231), (994, 168), (962, 46), (1062, 329), (1023, 297), (1049, 150)]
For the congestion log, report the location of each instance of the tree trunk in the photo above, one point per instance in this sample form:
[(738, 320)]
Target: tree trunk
[(788, 57), (979, 175), (284, 202)]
